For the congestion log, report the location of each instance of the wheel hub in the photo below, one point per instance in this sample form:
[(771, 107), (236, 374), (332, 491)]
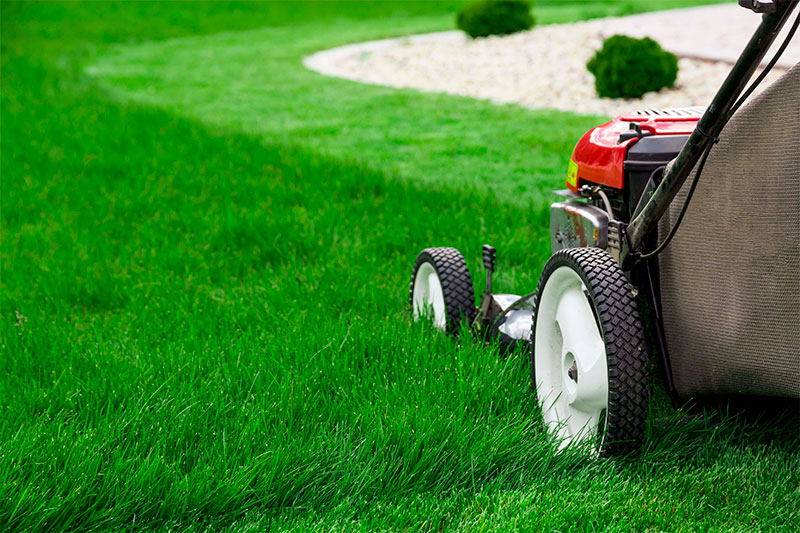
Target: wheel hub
[(572, 372), (570, 360)]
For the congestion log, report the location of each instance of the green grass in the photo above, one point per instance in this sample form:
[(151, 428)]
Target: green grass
[(205, 256)]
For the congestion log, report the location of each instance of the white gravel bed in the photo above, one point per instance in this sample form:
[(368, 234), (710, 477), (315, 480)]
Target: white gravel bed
[(541, 68)]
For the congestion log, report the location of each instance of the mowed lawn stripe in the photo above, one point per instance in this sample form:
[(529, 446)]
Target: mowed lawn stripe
[(255, 82)]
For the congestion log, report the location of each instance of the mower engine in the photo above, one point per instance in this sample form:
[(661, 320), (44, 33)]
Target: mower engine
[(611, 166)]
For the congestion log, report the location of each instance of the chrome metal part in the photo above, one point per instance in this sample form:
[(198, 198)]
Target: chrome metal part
[(516, 321), (577, 225), (566, 193), (504, 301), (516, 325)]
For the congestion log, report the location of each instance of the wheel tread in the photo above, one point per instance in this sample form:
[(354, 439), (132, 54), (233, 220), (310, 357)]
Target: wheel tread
[(612, 296), (459, 295)]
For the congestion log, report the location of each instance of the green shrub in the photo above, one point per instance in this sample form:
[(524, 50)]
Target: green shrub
[(627, 68), (495, 17)]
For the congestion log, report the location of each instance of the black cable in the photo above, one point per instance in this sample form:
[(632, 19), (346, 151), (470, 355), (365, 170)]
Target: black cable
[(683, 209), (742, 99)]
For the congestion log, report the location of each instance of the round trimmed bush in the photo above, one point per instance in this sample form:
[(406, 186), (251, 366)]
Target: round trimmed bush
[(626, 67), (495, 17)]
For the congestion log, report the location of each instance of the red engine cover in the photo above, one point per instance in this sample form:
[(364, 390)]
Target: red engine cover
[(599, 155)]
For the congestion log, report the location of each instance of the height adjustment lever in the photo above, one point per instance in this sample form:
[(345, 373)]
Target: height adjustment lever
[(489, 253)]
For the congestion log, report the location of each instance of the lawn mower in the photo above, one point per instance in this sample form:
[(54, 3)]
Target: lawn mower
[(717, 305)]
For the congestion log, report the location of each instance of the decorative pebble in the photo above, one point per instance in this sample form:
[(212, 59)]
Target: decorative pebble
[(541, 68)]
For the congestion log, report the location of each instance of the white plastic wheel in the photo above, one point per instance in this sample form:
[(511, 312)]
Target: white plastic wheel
[(588, 358), (441, 290), (427, 297), (570, 360)]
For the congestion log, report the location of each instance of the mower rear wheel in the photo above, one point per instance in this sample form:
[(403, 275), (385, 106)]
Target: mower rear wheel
[(588, 359), (441, 289)]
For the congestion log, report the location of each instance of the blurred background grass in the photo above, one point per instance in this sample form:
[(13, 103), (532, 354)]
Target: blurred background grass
[(205, 261)]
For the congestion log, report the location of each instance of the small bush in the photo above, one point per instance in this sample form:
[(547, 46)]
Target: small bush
[(627, 68), (495, 17)]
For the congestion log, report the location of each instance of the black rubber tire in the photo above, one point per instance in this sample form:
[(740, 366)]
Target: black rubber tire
[(459, 296), (611, 297)]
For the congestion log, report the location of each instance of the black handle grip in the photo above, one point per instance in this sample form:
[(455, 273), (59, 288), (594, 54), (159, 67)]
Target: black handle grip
[(760, 6)]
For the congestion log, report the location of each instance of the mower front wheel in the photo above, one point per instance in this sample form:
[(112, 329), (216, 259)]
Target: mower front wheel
[(588, 360), (441, 289)]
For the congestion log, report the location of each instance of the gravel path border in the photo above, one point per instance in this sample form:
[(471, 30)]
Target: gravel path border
[(546, 66)]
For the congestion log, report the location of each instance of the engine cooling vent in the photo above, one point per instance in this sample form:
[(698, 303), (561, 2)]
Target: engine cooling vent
[(677, 112), (729, 279)]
